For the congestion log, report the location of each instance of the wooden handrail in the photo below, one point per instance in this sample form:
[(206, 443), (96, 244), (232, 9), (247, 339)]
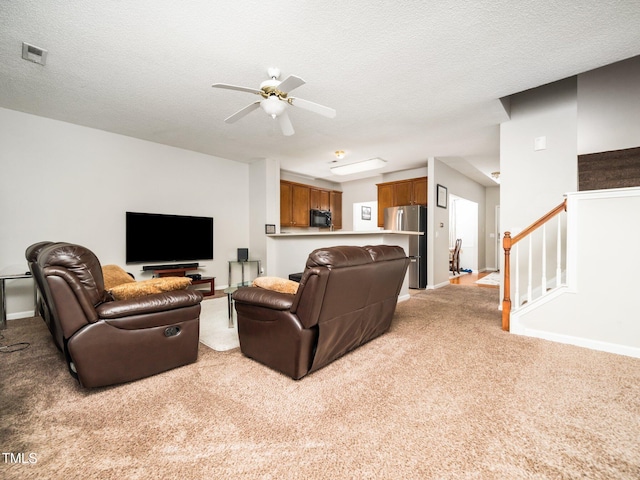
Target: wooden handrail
[(507, 243)]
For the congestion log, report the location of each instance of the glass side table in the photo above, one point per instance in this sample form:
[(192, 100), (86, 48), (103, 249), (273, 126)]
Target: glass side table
[(229, 291), (242, 265), (3, 298)]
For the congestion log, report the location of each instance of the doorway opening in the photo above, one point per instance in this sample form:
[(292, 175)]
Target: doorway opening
[(463, 224)]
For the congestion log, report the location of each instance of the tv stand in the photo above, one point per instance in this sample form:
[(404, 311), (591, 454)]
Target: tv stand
[(176, 266), (182, 272)]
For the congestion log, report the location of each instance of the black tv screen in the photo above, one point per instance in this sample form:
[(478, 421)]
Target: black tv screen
[(152, 237)]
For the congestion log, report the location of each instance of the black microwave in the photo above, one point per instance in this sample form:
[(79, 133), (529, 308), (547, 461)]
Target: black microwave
[(320, 218)]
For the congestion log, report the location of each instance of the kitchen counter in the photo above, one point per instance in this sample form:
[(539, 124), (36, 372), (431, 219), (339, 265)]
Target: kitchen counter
[(342, 232), (287, 253)]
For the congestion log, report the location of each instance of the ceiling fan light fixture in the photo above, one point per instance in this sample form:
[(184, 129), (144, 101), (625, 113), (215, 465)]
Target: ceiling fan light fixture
[(275, 100), (273, 106), (364, 166)]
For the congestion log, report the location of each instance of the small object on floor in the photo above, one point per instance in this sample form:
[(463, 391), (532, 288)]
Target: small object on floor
[(466, 270), (14, 347)]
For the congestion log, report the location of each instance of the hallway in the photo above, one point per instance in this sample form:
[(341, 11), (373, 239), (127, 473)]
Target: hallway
[(470, 279)]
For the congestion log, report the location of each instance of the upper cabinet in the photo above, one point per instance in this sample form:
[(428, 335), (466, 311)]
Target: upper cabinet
[(296, 199), (403, 192), (335, 205), (319, 199), (294, 205), (419, 191)]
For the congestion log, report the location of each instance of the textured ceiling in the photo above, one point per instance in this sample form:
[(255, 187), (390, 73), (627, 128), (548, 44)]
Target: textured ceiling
[(409, 80)]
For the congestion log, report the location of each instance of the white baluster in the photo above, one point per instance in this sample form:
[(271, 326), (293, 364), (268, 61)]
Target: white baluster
[(517, 296), (544, 260), (530, 275), (559, 254)]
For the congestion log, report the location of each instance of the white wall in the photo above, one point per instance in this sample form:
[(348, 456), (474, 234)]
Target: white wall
[(598, 308), (361, 224), (64, 182), (609, 96), (598, 112), (264, 201), (492, 259), (405, 174), (355, 192), (315, 182), (533, 182), (438, 240), (366, 190)]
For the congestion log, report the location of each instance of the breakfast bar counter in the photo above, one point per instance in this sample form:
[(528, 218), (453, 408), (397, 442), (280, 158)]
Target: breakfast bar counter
[(287, 252)]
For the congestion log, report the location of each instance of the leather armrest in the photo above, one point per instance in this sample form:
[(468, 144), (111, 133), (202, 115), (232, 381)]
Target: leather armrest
[(261, 297), (157, 302)]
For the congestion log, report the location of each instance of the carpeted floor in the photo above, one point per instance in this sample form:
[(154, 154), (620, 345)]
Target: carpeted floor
[(214, 325), (444, 394)]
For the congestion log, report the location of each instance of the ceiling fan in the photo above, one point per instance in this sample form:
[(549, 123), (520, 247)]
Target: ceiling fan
[(275, 100)]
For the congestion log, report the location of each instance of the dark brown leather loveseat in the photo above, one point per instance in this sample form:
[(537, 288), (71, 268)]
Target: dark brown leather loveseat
[(347, 296), (108, 341)]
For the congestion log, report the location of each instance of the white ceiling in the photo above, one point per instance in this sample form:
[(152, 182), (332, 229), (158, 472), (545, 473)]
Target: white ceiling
[(409, 79)]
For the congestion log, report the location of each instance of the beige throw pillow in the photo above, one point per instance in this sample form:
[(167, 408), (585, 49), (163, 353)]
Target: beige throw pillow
[(277, 284), (114, 275), (128, 291)]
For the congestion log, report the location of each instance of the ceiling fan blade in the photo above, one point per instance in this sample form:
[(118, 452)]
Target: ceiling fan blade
[(236, 87), (312, 107), (285, 124), (290, 83), (241, 113)]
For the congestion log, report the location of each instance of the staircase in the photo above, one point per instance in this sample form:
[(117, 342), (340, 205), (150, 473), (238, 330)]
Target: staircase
[(536, 239), (572, 276)]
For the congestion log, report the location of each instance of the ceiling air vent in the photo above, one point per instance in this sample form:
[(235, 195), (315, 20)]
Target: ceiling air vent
[(34, 54)]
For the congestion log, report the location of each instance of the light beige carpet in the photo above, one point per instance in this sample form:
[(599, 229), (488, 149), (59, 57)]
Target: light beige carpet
[(445, 394), (214, 325)]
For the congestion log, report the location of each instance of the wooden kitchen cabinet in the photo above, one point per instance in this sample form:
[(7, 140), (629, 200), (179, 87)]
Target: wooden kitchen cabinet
[(385, 200), (419, 193), (296, 199), (335, 205), (402, 192), (319, 199), (294, 204)]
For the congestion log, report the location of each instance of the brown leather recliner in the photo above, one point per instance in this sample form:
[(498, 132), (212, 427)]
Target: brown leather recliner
[(347, 296), (42, 308), (107, 341)]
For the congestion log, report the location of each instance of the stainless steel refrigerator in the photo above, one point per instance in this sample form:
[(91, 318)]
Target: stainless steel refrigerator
[(411, 218)]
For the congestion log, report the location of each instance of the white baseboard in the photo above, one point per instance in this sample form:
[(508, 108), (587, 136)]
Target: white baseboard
[(582, 342), (404, 298), (18, 315), (440, 285)]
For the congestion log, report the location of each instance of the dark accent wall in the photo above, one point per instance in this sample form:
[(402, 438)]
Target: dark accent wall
[(615, 169)]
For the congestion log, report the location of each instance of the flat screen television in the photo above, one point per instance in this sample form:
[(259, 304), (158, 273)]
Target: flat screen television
[(153, 237)]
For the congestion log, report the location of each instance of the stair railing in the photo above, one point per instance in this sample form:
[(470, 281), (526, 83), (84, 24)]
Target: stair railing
[(508, 242)]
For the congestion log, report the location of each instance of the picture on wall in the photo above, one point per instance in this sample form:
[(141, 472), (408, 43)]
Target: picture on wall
[(441, 194)]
